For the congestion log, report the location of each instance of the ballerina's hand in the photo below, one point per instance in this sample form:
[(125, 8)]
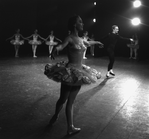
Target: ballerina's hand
[(101, 45), (42, 41)]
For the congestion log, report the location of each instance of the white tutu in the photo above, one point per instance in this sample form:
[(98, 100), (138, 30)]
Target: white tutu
[(33, 42), (133, 46), (17, 42), (51, 43)]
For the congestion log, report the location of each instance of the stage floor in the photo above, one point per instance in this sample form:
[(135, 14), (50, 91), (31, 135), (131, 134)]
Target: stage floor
[(114, 108)]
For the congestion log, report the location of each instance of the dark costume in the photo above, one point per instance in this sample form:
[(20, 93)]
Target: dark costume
[(112, 40)]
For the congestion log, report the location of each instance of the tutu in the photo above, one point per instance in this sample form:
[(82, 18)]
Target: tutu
[(17, 42), (51, 43), (70, 75), (33, 42), (133, 46)]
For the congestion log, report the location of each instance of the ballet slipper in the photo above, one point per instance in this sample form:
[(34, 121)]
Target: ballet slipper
[(73, 130), (112, 73)]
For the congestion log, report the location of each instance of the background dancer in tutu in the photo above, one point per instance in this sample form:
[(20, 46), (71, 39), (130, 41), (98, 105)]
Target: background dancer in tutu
[(52, 41), (112, 39), (92, 46), (16, 41), (85, 38), (134, 46), (34, 42), (71, 74)]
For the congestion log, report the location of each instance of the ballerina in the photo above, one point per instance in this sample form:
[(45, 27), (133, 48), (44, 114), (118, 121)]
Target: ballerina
[(134, 46), (35, 42), (85, 38), (16, 41), (71, 74), (50, 41)]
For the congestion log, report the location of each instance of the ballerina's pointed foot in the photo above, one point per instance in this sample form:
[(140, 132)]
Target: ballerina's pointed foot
[(53, 120), (73, 130)]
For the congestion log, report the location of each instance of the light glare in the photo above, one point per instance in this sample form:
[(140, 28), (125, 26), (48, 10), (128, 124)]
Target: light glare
[(94, 3), (135, 21), (137, 3), (94, 20)]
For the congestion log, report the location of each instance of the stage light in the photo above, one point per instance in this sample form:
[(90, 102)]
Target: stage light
[(94, 20), (137, 3), (95, 3), (135, 21)]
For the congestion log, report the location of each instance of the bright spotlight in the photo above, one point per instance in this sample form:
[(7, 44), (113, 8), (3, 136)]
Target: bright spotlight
[(94, 20), (135, 21), (137, 3), (94, 3)]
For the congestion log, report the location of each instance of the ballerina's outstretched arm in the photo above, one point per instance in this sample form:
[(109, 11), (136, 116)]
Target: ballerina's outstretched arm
[(23, 37), (58, 39), (10, 37), (41, 38), (91, 42), (28, 38), (47, 38), (60, 47)]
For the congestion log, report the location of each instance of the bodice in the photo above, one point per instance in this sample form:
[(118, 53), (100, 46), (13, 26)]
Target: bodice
[(35, 37), (17, 37), (75, 53), (51, 38)]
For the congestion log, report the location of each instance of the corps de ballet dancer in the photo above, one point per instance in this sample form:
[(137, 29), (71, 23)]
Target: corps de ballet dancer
[(52, 41), (35, 42), (134, 46), (92, 48), (85, 38), (17, 39)]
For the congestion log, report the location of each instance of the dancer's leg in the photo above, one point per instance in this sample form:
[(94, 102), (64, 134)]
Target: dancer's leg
[(64, 93), (135, 54), (92, 50), (131, 53), (34, 47), (17, 50), (50, 49), (111, 62), (69, 109), (84, 54)]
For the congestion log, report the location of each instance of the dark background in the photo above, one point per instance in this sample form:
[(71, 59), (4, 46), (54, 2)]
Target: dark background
[(46, 15)]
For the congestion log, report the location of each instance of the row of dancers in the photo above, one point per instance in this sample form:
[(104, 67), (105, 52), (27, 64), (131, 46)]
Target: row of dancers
[(35, 39), (17, 40)]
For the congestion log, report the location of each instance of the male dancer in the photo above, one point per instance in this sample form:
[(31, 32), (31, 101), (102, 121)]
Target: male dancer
[(112, 40)]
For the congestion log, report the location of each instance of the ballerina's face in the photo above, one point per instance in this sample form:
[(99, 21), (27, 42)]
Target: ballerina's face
[(52, 32), (79, 24)]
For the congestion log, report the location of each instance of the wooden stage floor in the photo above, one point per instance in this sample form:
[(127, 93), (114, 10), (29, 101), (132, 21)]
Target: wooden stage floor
[(114, 108)]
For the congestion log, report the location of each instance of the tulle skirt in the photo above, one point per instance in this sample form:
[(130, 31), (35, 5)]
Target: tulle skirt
[(70, 75), (51, 43), (32, 42), (14, 42), (133, 46)]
